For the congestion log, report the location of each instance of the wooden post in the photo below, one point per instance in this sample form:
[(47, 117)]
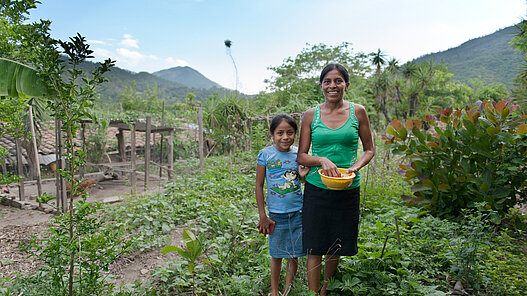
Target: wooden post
[(147, 150), (153, 146), (170, 153), (20, 170), (120, 145), (35, 149), (132, 159), (200, 136), (162, 138)]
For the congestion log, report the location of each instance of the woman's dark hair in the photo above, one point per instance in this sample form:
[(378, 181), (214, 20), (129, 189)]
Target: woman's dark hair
[(342, 70), (281, 117)]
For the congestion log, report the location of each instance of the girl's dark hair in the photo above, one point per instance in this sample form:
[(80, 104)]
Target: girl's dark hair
[(277, 119), (342, 70)]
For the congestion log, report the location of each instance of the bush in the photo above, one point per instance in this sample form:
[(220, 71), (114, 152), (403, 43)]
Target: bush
[(480, 155)]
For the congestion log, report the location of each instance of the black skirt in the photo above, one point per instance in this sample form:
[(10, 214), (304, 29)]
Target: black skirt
[(330, 221)]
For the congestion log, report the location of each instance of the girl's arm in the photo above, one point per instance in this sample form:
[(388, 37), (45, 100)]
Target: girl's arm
[(303, 157), (264, 224), (365, 137)]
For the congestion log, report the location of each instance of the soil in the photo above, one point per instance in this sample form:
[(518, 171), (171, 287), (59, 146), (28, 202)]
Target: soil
[(18, 225)]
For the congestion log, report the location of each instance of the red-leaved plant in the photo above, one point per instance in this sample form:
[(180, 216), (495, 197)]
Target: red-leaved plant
[(474, 154)]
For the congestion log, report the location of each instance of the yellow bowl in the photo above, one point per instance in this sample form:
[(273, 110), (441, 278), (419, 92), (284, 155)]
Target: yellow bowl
[(337, 183)]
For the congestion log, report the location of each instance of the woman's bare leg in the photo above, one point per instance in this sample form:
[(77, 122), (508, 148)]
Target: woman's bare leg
[(313, 271), (330, 268)]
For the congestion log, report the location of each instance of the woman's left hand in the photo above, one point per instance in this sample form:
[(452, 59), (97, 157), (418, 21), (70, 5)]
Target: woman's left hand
[(350, 171)]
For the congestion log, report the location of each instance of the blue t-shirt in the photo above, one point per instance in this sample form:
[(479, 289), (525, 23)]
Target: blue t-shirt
[(284, 192)]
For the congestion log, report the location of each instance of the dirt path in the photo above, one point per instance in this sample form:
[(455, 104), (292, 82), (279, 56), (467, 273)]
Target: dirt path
[(17, 225)]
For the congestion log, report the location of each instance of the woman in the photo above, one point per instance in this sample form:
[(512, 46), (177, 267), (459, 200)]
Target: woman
[(331, 217)]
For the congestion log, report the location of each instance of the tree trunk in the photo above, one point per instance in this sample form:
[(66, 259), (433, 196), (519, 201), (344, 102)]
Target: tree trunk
[(413, 105)]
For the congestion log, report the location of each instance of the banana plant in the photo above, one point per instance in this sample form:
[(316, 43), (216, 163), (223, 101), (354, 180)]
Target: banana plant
[(21, 81)]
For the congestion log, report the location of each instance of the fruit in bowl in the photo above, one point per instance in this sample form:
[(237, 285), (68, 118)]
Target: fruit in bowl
[(337, 183)]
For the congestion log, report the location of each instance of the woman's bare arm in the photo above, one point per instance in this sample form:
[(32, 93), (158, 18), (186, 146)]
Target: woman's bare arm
[(365, 137)]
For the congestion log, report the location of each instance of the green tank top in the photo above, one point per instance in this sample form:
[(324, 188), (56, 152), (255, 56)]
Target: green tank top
[(338, 145)]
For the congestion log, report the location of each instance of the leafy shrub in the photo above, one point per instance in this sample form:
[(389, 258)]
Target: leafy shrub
[(473, 155), (95, 245)]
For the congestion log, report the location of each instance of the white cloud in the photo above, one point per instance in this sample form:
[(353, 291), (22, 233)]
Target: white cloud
[(131, 59), (103, 53), (130, 54), (96, 42), (170, 61), (128, 41)]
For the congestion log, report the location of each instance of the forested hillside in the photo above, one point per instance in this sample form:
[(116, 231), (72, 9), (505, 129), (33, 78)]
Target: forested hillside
[(119, 79), (490, 58), (186, 76)]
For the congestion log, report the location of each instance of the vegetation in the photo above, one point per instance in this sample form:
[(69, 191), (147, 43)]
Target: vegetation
[(465, 168), (520, 43), (226, 255), (490, 58), (172, 91), (477, 154)]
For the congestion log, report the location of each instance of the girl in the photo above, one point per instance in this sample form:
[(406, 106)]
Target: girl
[(277, 165)]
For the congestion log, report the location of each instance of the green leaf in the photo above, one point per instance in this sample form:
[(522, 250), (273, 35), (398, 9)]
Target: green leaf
[(428, 183), (20, 81), (168, 249), (403, 133), (492, 131), (391, 131), (522, 129), (419, 187), (484, 187)]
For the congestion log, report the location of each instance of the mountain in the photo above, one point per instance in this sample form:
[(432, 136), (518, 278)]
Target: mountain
[(490, 58), (170, 91), (186, 76)]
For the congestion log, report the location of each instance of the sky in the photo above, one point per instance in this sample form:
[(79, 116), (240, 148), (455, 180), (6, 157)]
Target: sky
[(159, 34)]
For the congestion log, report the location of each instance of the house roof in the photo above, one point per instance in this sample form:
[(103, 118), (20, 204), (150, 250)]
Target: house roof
[(46, 144)]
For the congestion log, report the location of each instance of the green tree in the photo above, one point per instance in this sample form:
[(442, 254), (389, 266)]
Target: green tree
[(71, 103), (381, 83), (136, 103), (520, 43), (298, 77), (378, 59)]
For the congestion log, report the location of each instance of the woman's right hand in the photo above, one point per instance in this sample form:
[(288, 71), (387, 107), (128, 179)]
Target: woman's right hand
[(265, 225), (329, 168)]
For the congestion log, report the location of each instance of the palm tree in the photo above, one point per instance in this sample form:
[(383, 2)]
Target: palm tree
[(423, 73), (409, 70), (380, 82), (378, 59)]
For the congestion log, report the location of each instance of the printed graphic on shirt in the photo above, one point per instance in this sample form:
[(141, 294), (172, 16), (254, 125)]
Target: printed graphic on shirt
[(291, 183), (274, 164)]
